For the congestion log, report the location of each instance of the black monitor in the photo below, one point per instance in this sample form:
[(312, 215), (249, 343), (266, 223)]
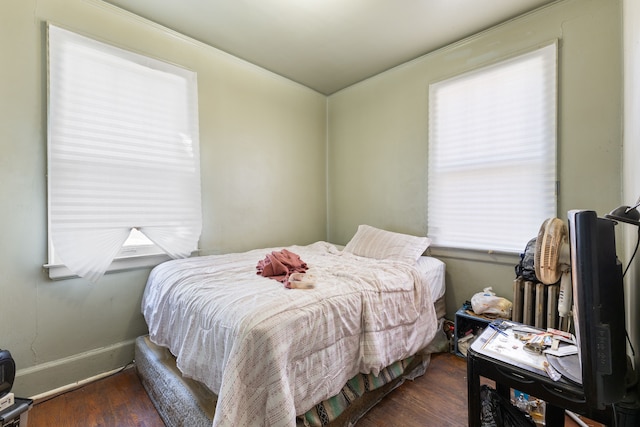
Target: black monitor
[(598, 307)]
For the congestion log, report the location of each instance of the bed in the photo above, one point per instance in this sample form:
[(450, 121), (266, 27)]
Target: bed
[(230, 347)]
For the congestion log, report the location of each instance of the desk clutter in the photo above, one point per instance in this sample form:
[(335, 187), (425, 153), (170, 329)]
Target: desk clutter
[(551, 351), (548, 348)]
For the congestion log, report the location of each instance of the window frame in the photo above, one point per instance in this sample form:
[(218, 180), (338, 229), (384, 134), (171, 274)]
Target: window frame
[(449, 244), (130, 256)]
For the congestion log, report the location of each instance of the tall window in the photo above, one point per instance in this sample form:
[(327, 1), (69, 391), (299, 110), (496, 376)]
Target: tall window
[(492, 153), (123, 155)]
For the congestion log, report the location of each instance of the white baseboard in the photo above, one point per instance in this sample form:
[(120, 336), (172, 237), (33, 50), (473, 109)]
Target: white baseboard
[(48, 379), (70, 387)]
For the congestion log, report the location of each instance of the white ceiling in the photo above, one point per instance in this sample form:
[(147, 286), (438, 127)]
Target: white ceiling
[(328, 45)]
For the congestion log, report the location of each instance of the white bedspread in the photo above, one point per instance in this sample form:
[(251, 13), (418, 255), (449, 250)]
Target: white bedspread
[(269, 352)]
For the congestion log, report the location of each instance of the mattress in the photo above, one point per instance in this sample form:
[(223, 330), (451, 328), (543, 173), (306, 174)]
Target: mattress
[(269, 353)]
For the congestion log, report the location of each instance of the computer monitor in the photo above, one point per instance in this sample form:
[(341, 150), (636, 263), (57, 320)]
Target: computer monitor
[(598, 307)]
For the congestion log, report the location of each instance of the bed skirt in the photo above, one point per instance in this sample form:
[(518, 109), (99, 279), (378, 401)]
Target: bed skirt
[(184, 402)]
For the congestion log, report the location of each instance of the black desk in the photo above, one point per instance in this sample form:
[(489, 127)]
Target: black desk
[(510, 369)]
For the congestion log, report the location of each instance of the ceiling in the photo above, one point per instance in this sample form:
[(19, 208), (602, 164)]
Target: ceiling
[(328, 45)]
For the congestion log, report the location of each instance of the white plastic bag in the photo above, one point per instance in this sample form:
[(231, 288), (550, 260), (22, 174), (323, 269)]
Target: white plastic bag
[(488, 304)]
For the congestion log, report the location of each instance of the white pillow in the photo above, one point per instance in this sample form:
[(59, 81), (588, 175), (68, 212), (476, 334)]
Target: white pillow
[(374, 243)]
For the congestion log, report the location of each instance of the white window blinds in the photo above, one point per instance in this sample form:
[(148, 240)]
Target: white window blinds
[(123, 153), (492, 154)]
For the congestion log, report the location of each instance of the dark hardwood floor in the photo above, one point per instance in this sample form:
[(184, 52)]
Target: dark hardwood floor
[(115, 401), (439, 399)]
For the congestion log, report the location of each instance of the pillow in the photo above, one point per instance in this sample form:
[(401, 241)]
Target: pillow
[(372, 242)]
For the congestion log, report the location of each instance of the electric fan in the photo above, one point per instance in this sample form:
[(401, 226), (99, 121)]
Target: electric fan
[(552, 261)]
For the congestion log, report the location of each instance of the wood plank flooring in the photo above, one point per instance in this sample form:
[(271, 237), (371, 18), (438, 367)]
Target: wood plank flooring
[(115, 401), (439, 399)]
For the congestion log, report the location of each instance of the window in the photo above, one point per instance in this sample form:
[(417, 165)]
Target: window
[(123, 155), (492, 154)]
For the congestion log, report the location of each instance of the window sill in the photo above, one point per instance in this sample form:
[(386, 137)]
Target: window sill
[(497, 257), (60, 271)]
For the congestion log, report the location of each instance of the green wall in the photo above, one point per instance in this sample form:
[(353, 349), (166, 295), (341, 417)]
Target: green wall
[(378, 133), (262, 143)]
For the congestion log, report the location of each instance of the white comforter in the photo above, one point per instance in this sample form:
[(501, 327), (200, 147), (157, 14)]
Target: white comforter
[(269, 352)]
